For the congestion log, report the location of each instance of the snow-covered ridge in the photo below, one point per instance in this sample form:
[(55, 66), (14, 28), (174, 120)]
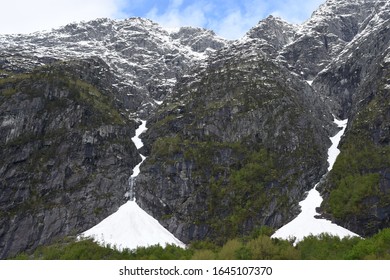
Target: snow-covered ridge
[(140, 53), (131, 227), (306, 223)]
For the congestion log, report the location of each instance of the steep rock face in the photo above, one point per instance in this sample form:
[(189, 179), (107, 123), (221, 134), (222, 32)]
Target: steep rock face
[(65, 121), (234, 148), (357, 191), (66, 153), (356, 84), (274, 33), (198, 39), (237, 142), (357, 63), (145, 58), (326, 33)]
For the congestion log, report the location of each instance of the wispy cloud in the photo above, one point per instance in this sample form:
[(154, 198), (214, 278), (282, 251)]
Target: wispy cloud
[(230, 19), (24, 16), (295, 11), (177, 15), (238, 19)]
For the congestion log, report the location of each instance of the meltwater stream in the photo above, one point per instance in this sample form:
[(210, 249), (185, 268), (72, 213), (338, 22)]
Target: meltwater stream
[(131, 227), (305, 223)]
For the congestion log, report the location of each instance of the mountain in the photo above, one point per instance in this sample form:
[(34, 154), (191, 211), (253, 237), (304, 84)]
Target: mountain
[(70, 102), (238, 131), (327, 33), (145, 59), (224, 148)]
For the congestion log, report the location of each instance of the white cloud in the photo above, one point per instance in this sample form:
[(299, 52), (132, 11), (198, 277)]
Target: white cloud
[(238, 21), (296, 11), (177, 16), (231, 19), (227, 21), (24, 16)]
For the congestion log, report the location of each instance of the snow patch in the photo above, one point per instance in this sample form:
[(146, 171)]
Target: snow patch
[(158, 102), (387, 58), (306, 224), (333, 151), (171, 30), (131, 227), (136, 140)]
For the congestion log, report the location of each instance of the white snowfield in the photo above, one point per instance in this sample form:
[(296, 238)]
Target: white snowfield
[(136, 140), (306, 224), (131, 227)]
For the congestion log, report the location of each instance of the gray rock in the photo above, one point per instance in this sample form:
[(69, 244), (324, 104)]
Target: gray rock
[(65, 160)]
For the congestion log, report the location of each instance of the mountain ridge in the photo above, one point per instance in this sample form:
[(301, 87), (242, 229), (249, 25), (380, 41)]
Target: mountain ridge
[(238, 130)]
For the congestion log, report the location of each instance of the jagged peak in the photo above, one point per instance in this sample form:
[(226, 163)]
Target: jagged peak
[(273, 31), (273, 20), (356, 10), (193, 30), (198, 39)]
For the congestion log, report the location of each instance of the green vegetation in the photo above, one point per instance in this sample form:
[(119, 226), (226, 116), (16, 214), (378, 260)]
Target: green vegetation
[(246, 193), (89, 95), (55, 78), (323, 247), (356, 177), (71, 249), (242, 145), (358, 171), (351, 191), (236, 190), (12, 78), (60, 108)]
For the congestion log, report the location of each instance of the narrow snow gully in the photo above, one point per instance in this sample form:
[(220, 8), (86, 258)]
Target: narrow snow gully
[(131, 227), (305, 223)]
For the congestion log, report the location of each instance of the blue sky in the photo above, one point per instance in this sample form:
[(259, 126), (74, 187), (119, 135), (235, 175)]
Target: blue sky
[(229, 19)]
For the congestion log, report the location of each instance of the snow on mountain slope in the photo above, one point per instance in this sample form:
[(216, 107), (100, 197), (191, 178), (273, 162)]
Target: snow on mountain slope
[(272, 34), (356, 64), (131, 227), (306, 223), (146, 59), (320, 39)]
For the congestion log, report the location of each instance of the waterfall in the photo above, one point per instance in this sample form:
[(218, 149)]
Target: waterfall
[(130, 194), (131, 227), (306, 223)]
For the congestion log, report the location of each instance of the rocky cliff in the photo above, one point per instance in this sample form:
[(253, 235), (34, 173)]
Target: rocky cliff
[(66, 155), (235, 147), (69, 101), (238, 130), (357, 83), (357, 190), (145, 59)]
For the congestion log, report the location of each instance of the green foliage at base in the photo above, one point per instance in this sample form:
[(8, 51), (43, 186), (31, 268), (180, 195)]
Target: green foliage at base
[(356, 176), (346, 199), (71, 249), (247, 192), (237, 190), (261, 247), (357, 183)]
